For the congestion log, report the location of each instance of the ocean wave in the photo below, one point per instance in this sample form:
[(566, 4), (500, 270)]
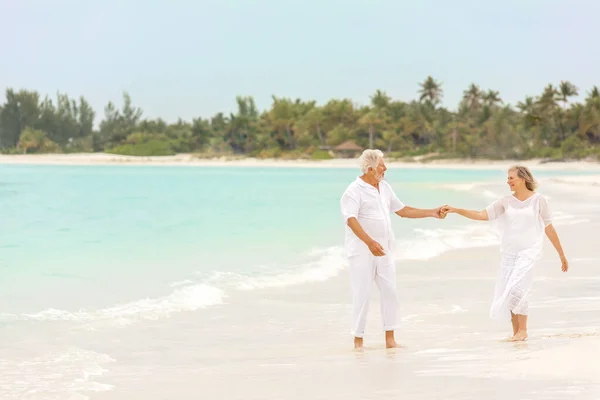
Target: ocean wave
[(329, 263), (430, 243), (490, 195), (588, 184), (187, 298), (69, 371), (320, 264), (181, 283), (459, 187), (585, 180)]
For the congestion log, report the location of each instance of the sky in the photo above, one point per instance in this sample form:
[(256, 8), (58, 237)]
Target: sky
[(189, 59)]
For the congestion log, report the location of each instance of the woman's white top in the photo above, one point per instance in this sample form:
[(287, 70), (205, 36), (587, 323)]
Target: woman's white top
[(521, 224)]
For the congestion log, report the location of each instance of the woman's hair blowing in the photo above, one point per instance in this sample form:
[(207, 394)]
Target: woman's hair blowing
[(524, 173)]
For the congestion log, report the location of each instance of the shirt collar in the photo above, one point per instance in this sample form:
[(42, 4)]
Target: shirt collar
[(364, 184)]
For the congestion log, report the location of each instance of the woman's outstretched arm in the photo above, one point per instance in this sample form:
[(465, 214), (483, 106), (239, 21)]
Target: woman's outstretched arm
[(471, 214)]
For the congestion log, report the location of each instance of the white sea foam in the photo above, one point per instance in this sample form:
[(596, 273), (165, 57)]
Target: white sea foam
[(181, 283), (326, 263), (68, 371), (322, 264), (583, 180), (430, 243), (325, 267), (187, 298), (460, 187), (490, 195)]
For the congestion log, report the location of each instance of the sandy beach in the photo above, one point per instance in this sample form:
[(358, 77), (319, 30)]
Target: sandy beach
[(191, 160), (291, 342), (177, 190), (285, 335)]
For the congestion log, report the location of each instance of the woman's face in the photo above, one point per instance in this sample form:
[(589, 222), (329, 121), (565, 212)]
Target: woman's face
[(514, 181)]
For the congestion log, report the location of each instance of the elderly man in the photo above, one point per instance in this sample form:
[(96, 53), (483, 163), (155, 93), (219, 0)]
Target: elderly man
[(366, 206)]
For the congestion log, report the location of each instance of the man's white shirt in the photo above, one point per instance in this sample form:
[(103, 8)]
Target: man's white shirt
[(372, 209)]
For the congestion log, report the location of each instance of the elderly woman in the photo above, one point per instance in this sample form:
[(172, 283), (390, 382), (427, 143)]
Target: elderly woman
[(523, 218)]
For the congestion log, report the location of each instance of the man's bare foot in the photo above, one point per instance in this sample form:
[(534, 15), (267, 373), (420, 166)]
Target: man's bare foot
[(390, 341), (519, 336), (358, 343)]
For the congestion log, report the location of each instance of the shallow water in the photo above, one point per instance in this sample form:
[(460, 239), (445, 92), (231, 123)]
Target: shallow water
[(115, 280)]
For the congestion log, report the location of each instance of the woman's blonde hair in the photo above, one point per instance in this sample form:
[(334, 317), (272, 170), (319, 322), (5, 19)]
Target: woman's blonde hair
[(524, 173)]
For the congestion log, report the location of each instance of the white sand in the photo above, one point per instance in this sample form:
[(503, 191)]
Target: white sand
[(190, 159), (575, 357), (293, 342)]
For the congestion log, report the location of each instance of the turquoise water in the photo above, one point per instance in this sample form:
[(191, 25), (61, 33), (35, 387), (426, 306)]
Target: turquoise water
[(93, 236), (126, 279)]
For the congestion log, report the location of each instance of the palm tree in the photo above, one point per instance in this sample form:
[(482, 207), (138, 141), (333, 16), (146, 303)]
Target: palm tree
[(589, 122), (430, 91), (593, 95), (472, 97), (492, 97), (548, 99), (380, 99), (373, 121), (529, 109), (565, 90)]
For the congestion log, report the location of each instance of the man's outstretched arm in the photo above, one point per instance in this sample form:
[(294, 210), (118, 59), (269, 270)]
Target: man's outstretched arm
[(411, 212)]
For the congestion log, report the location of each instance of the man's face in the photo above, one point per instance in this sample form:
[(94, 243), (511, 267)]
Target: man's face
[(380, 170)]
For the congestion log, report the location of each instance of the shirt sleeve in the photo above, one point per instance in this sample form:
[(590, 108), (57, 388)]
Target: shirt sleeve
[(495, 210), (349, 205), (545, 212), (395, 203)]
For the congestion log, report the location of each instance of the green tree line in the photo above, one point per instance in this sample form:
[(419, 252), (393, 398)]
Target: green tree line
[(548, 125)]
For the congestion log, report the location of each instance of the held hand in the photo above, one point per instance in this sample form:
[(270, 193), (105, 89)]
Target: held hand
[(376, 248), (439, 213), (565, 264), (447, 209), (443, 211)]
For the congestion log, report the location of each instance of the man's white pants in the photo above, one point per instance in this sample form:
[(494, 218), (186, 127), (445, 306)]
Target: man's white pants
[(364, 269)]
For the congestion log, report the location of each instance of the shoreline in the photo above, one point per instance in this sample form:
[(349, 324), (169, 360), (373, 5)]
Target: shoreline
[(143, 339), (82, 159)]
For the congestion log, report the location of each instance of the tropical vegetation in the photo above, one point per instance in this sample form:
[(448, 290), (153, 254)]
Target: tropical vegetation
[(549, 125)]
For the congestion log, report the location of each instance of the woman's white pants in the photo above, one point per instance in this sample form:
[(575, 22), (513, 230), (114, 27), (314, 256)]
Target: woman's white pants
[(364, 269)]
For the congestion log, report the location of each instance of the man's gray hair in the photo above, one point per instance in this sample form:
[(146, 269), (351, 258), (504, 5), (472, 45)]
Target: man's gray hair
[(369, 159)]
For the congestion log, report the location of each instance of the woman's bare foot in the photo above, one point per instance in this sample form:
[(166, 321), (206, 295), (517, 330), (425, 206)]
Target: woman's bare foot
[(520, 336)]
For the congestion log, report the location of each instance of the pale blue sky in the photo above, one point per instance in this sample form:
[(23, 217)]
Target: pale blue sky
[(191, 58)]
